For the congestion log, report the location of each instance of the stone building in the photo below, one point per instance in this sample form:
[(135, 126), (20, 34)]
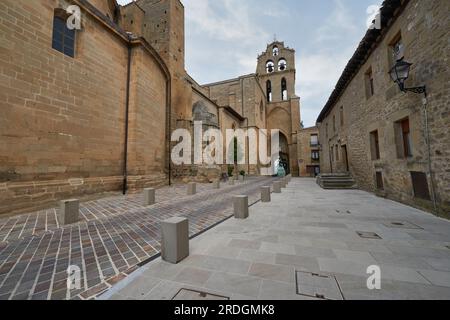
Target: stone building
[(92, 110), (309, 152), (379, 133)]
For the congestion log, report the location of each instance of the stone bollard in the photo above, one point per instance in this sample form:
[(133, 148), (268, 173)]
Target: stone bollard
[(192, 189), (283, 183), (69, 211), (241, 207), (216, 184), (231, 182), (265, 194), (175, 240), (149, 197), (241, 178), (277, 187)]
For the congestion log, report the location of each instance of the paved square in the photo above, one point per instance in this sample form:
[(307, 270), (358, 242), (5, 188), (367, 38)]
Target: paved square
[(309, 229), (115, 234)]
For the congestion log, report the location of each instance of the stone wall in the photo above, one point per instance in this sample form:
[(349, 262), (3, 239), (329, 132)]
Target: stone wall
[(305, 150), (63, 119), (424, 30)]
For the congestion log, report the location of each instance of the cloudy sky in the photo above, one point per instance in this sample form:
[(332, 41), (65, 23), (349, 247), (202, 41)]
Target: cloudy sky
[(224, 37)]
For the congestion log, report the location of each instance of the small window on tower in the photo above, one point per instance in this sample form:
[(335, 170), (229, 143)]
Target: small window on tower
[(269, 90), (284, 92), (270, 67), (282, 64), (276, 51)]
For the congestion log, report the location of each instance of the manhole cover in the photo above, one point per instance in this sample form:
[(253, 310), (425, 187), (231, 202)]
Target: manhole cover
[(403, 225), (368, 235), (186, 294), (317, 285)]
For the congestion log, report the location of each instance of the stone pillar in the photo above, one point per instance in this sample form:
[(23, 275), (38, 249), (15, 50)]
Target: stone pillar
[(231, 182), (241, 207), (175, 239), (265, 194), (283, 183), (192, 189), (69, 211), (149, 197), (216, 184), (277, 187), (241, 178)]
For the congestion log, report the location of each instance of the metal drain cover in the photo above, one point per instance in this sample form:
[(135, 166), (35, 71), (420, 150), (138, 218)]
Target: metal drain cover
[(368, 235), (402, 225), (187, 294), (317, 285)]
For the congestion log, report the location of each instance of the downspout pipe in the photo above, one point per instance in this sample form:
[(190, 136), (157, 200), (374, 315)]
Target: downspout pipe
[(127, 116), (428, 140), (169, 126)]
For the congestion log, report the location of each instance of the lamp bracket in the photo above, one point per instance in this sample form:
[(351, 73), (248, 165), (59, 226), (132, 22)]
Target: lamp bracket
[(418, 90)]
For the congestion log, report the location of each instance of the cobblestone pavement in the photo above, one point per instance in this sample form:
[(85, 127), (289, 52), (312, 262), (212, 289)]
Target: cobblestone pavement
[(113, 237)]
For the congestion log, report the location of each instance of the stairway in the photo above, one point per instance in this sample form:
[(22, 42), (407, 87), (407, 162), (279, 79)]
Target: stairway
[(336, 181)]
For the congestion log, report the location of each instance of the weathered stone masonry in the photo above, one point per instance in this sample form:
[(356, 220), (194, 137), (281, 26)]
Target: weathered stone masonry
[(354, 118), (62, 123), (84, 125)]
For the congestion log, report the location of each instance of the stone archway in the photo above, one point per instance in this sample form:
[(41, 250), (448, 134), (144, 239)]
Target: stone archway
[(284, 156)]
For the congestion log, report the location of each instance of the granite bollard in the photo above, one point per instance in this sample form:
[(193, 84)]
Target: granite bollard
[(241, 207), (265, 194), (149, 197), (277, 187), (175, 239), (69, 211), (192, 189)]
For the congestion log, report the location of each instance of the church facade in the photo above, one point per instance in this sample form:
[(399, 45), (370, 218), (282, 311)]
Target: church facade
[(92, 110)]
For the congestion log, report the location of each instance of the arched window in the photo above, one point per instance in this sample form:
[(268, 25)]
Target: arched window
[(275, 51), (270, 66), (282, 64), (269, 90), (284, 92)]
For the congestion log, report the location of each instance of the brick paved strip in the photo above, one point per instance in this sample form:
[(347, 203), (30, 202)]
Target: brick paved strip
[(116, 234)]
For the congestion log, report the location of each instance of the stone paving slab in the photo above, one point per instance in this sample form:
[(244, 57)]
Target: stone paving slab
[(309, 229), (114, 235)]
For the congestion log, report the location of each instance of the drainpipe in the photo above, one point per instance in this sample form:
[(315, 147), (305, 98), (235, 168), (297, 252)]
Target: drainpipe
[(169, 135), (127, 108), (427, 138), (248, 149)]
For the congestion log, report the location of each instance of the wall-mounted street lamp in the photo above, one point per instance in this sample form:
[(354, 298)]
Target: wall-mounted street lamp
[(400, 72)]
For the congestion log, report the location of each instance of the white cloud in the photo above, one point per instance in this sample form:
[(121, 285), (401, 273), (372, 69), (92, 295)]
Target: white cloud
[(340, 22), (226, 20)]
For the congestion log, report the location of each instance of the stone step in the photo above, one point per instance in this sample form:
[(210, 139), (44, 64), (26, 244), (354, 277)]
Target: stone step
[(336, 181)]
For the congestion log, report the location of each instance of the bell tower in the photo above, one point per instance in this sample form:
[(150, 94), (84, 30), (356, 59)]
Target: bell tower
[(276, 73), (276, 70)]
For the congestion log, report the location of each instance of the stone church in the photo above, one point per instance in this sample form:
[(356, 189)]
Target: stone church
[(91, 110)]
